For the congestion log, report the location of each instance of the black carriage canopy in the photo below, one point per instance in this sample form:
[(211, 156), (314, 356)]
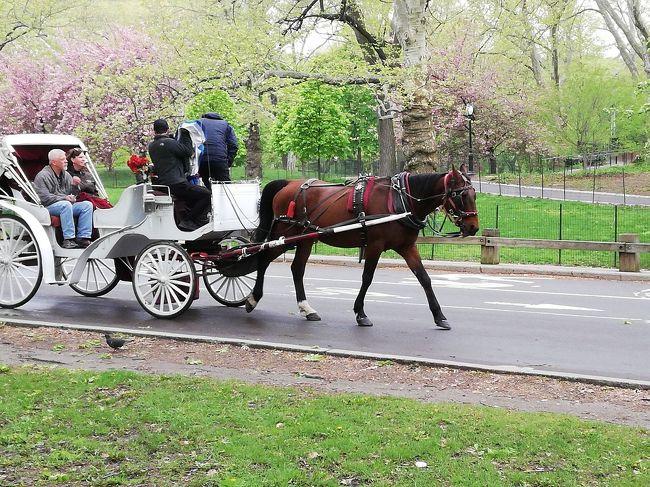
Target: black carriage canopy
[(31, 158)]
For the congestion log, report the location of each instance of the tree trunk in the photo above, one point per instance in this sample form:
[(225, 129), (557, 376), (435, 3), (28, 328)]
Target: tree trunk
[(492, 160), (418, 141), (386, 134), (408, 22), (535, 62), (633, 29), (253, 151)]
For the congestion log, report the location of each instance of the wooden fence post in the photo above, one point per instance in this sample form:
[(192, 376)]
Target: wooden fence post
[(629, 261), (490, 252)]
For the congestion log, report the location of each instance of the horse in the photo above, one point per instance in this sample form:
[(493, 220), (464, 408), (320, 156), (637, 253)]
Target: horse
[(293, 207)]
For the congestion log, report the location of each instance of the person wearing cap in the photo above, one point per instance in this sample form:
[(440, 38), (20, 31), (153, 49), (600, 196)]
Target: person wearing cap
[(170, 159), (219, 149), (53, 186)]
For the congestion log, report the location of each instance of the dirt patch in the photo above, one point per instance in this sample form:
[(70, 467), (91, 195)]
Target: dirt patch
[(634, 183), (88, 351)]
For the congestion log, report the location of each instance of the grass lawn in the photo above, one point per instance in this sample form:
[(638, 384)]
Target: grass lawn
[(122, 428)]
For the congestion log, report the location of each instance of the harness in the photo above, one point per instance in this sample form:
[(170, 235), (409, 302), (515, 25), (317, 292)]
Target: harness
[(399, 201), (453, 197)]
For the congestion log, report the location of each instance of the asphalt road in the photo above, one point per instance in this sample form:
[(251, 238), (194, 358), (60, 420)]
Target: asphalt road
[(535, 324), (560, 194)]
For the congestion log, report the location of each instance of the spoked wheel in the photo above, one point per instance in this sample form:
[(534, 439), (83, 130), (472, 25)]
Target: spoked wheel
[(21, 269), (164, 279), (98, 277), (231, 285)]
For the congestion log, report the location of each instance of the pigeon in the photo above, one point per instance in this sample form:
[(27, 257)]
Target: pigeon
[(115, 343)]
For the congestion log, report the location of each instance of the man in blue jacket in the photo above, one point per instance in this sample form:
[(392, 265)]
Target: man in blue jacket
[(219, 149)]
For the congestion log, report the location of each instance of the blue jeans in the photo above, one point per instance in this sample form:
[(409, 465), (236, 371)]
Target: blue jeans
[(66, 211)]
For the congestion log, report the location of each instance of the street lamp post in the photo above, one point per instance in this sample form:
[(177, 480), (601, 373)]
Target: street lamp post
[(469, 113)]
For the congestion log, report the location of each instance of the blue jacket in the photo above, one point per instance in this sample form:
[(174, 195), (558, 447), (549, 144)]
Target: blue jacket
[(220, 146)]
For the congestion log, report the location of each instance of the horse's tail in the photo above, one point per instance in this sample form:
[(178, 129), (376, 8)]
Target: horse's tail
[(266, 208)]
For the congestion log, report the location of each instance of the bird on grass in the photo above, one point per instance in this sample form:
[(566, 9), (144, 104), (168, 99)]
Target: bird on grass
[(115, 343)]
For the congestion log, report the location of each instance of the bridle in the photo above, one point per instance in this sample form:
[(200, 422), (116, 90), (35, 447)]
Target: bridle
[(452, 200)]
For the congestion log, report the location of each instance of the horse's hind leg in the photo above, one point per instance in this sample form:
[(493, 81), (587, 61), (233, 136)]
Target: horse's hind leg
[(265, 259), (303, 251), (372, 258), (412, 258)]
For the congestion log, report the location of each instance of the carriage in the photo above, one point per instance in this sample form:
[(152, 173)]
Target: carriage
[(137, 240)]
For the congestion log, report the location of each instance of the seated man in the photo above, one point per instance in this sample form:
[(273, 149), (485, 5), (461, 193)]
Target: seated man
[(170, 159), (53, 185)]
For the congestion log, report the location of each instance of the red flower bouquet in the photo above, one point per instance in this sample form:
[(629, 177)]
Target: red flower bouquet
[(137, 164)]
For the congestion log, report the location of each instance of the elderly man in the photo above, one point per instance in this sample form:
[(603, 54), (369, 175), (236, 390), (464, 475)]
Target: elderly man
[(53, 185)]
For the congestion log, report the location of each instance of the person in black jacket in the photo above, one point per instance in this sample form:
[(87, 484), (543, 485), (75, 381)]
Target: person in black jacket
[(170, 159), (219, 149)]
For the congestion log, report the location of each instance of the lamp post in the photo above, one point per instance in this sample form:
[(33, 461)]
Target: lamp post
[(469, 114)]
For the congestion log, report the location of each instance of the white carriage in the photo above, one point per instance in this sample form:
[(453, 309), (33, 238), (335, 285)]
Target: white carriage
[(137, 240)]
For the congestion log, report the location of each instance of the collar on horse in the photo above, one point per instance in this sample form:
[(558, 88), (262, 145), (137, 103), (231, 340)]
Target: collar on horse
[(399, 201)]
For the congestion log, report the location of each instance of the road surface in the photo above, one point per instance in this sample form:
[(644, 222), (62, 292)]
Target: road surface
[(560, 194), (535, 324)]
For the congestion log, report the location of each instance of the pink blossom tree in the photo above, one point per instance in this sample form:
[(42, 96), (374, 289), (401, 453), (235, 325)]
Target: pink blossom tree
[(107, 92), (504, 115)]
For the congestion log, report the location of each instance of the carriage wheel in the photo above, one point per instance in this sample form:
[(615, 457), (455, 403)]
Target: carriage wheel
[(229, 290), (98, 277), (164, 279), (21, 269)]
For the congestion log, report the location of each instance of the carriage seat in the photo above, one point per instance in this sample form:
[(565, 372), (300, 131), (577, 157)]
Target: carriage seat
[(180, 206)]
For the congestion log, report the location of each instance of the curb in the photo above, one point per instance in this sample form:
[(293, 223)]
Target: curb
[(475, 267), (498, 369)]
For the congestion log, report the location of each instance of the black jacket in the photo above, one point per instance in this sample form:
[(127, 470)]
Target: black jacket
[(220, 147), (170, 157)]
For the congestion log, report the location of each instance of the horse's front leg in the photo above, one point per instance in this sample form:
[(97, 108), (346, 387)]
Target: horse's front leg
[(414, 261), (303, 251), (372, 258)]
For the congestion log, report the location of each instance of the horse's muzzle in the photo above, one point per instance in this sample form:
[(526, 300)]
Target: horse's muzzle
[(468, 228)]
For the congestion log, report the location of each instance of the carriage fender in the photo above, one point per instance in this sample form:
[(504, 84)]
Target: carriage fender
[(44, 244)]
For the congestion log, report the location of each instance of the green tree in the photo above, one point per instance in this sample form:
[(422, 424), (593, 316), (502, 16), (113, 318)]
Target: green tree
[(579, 113), (313, 125), (361, 107)]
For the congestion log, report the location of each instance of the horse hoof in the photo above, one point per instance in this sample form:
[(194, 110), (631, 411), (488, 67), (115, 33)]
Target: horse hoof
[(313, 317), (363, 321), (444, 324)]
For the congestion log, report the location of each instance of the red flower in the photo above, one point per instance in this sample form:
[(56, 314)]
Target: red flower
[(136, 163)]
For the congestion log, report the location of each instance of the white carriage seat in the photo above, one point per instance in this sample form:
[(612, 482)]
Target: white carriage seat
[(129, 210)]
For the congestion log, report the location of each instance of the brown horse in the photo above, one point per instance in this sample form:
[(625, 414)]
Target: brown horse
[(289, 208)]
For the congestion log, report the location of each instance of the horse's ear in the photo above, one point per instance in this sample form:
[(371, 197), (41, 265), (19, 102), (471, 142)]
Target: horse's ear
[(463, 169)]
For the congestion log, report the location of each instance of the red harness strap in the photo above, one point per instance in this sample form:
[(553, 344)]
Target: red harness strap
[(370, 183)]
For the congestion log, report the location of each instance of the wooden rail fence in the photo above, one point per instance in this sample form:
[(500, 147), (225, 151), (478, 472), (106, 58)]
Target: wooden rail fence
[(628, 247)]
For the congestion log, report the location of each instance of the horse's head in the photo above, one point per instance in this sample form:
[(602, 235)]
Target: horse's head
[(459, 202)]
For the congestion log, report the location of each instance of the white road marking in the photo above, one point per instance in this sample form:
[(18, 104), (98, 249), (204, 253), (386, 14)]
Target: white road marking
[(480, 308), (644, 293), (497, 286), (542, 306), (348, 291)]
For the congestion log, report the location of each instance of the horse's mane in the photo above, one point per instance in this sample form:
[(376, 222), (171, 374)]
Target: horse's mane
[(423, 184), (266, 208)]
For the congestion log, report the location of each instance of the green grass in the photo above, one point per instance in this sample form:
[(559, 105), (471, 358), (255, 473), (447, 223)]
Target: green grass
[(514, 217), (120, 428)]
